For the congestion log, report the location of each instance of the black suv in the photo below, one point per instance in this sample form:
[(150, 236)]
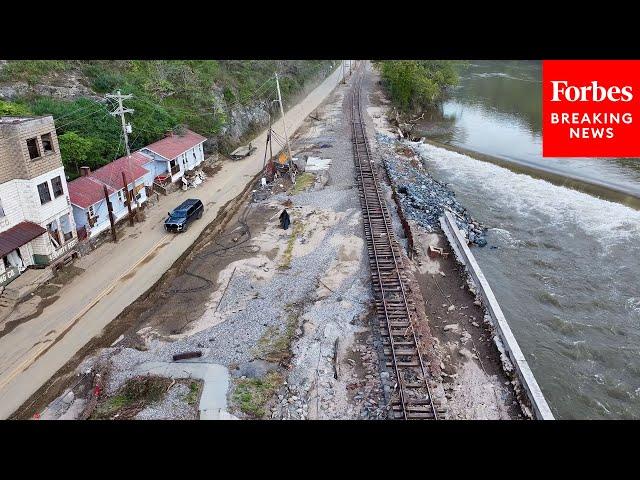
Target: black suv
[(183, 215)]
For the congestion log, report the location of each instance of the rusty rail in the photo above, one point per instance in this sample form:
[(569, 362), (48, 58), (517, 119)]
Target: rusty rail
[(412, 397)]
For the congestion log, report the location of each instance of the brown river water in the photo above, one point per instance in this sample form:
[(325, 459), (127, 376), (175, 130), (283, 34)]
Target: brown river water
[(564, 242)]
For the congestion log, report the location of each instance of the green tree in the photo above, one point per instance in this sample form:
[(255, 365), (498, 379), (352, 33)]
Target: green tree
[(75, 151), (417, 84)]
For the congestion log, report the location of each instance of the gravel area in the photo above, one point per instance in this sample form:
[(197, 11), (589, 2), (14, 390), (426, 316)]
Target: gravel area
[(324, 289), (172, 407)]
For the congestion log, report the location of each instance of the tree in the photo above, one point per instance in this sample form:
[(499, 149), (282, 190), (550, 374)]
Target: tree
[(417, 84), (75, 151)]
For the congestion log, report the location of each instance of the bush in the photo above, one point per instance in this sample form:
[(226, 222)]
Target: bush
[(416, 84), (13, 109), (75, 151)]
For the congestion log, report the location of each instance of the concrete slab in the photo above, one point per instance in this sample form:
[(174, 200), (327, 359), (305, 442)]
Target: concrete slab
[(213, 400), (515, 355)]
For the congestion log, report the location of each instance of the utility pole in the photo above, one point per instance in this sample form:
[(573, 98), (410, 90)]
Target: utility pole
[(129, 197), (125, 132), (110, 212), (121, 111), (284, 124)]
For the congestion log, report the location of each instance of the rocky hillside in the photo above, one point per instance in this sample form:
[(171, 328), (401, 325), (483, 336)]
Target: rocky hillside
[(224, 100)]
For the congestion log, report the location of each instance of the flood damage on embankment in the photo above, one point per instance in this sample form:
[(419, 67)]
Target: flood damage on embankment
[(285, 318)]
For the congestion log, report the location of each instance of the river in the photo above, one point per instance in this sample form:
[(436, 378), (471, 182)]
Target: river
[(564, 264)]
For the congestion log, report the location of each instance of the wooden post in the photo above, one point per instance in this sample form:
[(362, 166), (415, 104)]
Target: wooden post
[(126, 189), (110, 210)]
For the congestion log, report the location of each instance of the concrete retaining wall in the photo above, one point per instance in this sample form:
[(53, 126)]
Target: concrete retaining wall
[(541, 409)]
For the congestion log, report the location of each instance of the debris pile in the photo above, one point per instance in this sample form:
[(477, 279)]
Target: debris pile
[(423, 198)]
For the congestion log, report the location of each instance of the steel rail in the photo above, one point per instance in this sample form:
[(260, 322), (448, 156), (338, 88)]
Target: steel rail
[(389, 277)]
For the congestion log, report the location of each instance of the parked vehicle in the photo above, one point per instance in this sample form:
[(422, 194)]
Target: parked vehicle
[(180, 218)]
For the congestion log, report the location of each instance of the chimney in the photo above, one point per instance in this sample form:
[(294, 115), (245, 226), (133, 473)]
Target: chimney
[(85, 171)]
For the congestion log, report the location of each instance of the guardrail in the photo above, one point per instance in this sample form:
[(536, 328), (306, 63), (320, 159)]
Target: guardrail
[(541, 409)]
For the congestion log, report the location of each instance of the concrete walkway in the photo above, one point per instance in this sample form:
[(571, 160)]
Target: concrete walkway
[(117, 274), (213, 400)]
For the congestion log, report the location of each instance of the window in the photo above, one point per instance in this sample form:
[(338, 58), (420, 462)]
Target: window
[(32, 145), (91, 212), (45, 194), (1, 210), (194, 154), (56, 184), (47, 144), (120, 196)]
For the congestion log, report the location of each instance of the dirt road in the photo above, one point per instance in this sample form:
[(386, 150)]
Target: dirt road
[(117, 274)]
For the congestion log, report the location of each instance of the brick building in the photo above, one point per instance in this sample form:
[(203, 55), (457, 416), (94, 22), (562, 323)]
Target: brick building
[(36, 224)]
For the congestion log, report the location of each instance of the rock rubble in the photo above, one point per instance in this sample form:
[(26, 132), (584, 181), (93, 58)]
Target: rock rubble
[(423, 198)]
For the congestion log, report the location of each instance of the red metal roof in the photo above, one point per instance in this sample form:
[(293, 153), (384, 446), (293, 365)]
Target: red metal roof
[(141, 158), (111, 173), (172, 146), (19, 235), (85, 191)]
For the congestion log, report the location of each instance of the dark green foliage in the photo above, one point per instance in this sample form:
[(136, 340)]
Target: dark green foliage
[(76, 151), (98, 134), (417, 84), (166, 93)]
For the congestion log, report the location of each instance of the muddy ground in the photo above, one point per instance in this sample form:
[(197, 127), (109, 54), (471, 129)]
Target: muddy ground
[(288, 314)]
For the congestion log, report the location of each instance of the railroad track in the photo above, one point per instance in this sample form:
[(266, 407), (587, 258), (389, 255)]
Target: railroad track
[(412, 398)]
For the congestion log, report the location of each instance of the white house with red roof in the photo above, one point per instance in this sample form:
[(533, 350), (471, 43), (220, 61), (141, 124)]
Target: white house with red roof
[(87, 192), (176, 153)]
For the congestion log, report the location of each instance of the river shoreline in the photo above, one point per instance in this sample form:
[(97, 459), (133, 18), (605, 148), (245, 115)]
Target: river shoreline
[(476, 382)]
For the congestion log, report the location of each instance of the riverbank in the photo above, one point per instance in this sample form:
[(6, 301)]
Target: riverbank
[(494, 115), (284, 317), (469, 365)]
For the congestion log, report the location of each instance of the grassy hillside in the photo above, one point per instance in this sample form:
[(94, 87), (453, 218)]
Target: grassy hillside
[(166, 93)]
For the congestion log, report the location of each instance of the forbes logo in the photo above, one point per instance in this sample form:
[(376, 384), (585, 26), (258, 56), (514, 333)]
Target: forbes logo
[(589, 93), (589, 109)]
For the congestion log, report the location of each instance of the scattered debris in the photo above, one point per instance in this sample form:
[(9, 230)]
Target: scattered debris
[(132, 398), (186, 355), (435, 251)]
